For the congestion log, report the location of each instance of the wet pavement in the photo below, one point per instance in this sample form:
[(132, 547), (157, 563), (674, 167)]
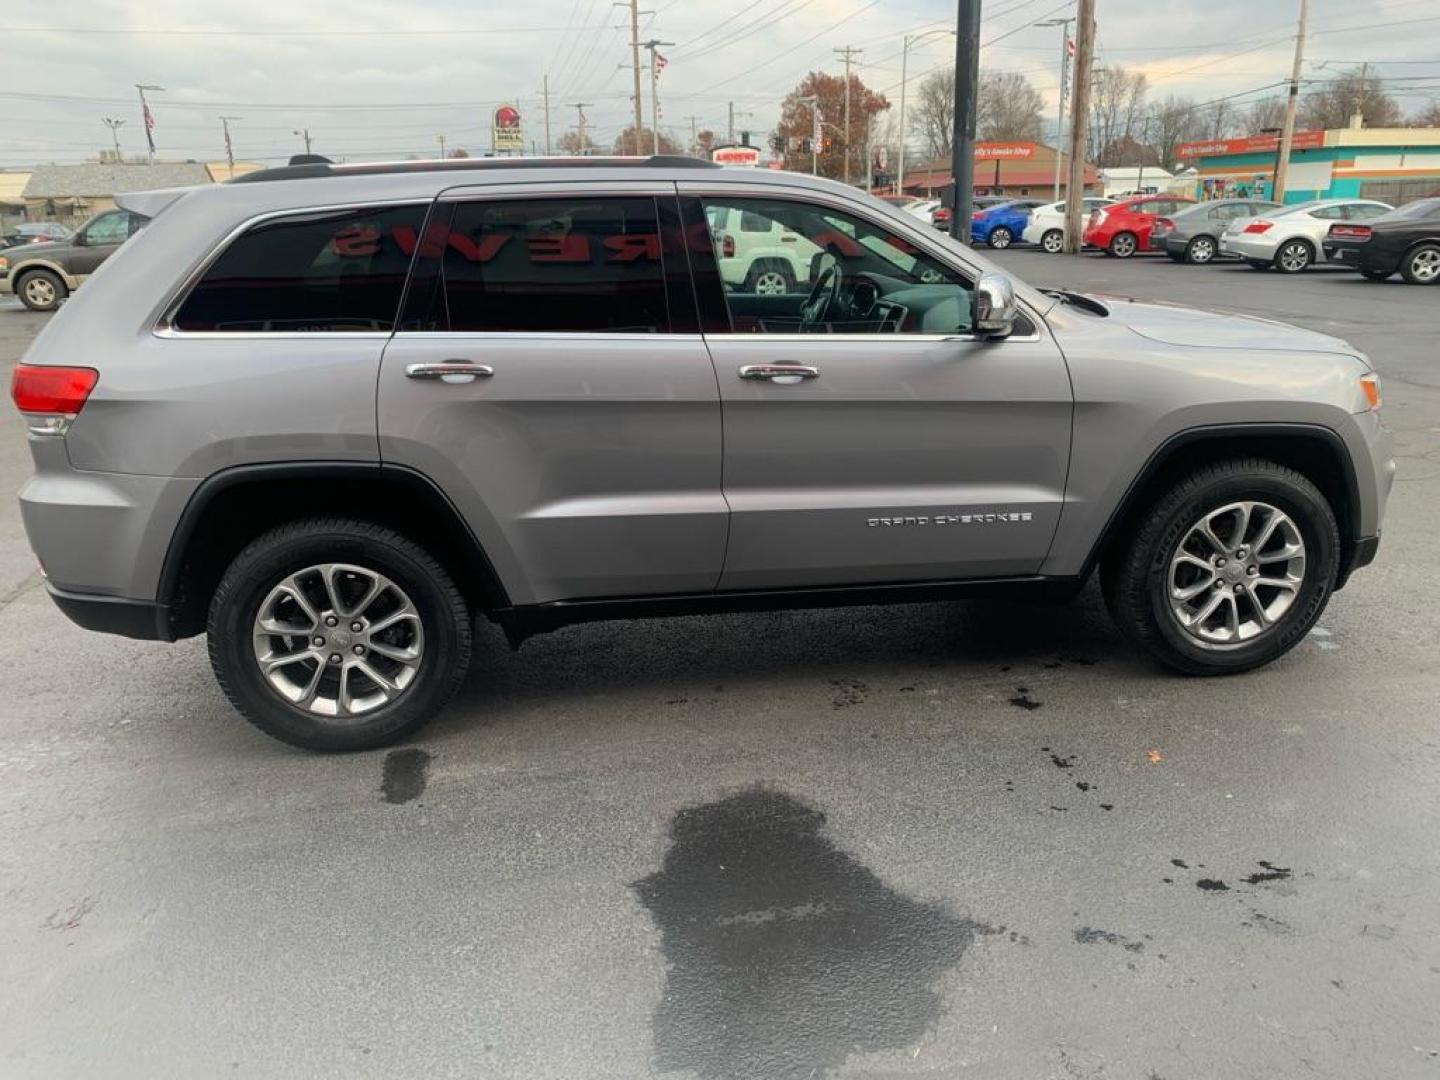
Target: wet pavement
[(981, 839)]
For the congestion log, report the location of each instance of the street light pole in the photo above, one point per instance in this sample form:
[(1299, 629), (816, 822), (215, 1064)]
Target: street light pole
[(304, 133), (910, 39), (114, 126), (1064, 24)]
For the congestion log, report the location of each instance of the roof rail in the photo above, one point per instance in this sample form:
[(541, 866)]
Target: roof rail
[(374, 168)]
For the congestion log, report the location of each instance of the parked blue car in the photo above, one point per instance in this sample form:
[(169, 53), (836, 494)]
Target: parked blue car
[(1001, 225)]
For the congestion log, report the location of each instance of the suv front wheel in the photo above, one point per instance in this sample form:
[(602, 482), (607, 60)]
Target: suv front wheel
[(41, 290), (338, 635), (1228, 570)]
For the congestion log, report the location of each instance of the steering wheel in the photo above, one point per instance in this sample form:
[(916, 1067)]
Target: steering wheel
[(823, 299)]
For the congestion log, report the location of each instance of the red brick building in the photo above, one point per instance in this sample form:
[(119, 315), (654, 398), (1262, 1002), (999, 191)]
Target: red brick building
[(1016, 169)]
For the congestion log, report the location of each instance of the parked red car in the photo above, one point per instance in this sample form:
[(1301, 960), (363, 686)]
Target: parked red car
[(1123, 228)]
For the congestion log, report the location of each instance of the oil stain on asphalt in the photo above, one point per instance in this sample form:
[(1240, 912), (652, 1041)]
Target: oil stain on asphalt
[(784, 954), (403, 778)]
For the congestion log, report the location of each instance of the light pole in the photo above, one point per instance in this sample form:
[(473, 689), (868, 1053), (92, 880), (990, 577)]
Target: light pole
[(910, 39), (304, 133), (114, 126), (815, 133), (229, 148), (145, 116), (441, 140), (1064, 24)]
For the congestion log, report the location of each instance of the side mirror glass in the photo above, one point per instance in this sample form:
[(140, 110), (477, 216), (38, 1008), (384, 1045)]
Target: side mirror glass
[(992, 306)]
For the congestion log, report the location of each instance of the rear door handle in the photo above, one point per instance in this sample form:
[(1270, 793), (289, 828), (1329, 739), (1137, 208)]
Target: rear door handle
[(451, 371), (787, 374)]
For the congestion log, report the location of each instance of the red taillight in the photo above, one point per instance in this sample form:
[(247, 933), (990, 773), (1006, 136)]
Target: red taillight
[(57, 393), (1259, 225), (727, 246), (1353, 232)]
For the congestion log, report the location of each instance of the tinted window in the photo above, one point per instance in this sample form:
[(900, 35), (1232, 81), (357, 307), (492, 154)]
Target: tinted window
[(1328, 213), (553, 266), (1364, 211), (841, 275), (754, 223), (337, 271), (111, 228)]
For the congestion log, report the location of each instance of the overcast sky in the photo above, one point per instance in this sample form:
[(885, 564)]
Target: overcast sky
[(382, 78)]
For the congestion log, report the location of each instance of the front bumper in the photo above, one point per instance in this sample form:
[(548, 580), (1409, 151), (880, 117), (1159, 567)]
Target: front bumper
[(5, 287)]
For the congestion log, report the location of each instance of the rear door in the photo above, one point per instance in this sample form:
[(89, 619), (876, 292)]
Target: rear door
[(879, 440), (579, 433)]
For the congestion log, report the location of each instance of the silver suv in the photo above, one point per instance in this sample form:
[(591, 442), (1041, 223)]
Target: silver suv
[(331, 414)]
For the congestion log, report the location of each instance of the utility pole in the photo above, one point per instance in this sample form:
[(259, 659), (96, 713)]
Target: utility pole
[(1287, 133), (635, 67), (694, 135), (579, 107), (1079, 120), (545, 91), (962, 142), (730, 127), (848, 54), (1064, 25), (441, 140), (146, 118), (304, 133), (115, 126), (229, 148), (652, 45)]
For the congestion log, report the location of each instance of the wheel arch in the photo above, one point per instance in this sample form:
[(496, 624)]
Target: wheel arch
[(232, 507), (30, 265), (1316, 452)]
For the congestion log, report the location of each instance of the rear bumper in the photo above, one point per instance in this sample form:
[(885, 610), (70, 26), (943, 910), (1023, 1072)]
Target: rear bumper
[(1245, 246), (1361, 257), (142, 619)]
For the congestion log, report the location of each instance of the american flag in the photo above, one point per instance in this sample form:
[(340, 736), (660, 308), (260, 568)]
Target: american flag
[(660, 63), (1069, 45), (149, 121)]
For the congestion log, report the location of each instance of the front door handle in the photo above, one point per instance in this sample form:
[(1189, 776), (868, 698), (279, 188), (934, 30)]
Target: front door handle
[(451, 371), (786, 374)]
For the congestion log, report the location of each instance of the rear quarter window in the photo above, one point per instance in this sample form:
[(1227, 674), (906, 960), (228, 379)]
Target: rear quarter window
[(327, 272)]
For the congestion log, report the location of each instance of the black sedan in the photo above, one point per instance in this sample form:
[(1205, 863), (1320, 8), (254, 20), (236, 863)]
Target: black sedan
[(1406, 239)]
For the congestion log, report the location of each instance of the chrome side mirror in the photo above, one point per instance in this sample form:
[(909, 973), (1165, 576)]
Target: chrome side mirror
[(992, 306)]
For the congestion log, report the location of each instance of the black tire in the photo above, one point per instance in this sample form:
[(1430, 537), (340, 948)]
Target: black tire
[(444, 617), (1294, 256), (40, 290), (1123, 245), (1421, 264), (1201, 250), (1053, 242), (1376, 275), (1257, 264), (1000, 237), (766, 272), (1134, 578)]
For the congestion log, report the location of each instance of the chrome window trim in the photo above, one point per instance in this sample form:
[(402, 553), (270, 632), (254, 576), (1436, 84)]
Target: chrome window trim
[(534, 335), (164, 327)]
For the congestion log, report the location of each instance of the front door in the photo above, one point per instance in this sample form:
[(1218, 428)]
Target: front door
[(869, 436), (103, 236), (549, 376)]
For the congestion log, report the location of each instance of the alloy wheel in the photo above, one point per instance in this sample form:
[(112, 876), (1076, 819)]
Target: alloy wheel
[(770, 283), (1202, 249), (1123, 245), (1053, 241), (338, 640), (39, 290), (1236, 574), (1294, 256), (1425, 265), (1000, 238)]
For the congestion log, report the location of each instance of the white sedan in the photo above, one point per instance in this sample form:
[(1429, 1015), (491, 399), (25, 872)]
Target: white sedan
[(1293, 237), (1047, 223), (924, 209)]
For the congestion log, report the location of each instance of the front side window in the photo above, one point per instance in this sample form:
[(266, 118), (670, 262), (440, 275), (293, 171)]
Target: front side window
[(829, 272), (1328, 213), (568, 265), (111, 228), (337, 271)]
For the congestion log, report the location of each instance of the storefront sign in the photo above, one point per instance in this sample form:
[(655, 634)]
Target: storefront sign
[(996, 151), (735, 155), (1252, 144)]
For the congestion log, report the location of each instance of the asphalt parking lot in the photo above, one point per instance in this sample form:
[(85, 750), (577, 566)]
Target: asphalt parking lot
[(979, 839)]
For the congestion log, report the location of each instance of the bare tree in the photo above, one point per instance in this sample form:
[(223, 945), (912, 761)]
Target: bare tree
[(1117, 111), (1266, 113), (1426, 117), (934, 112), (1007, 108), (570, 144), (1331, 104), (1217, 120), (1173, 121)]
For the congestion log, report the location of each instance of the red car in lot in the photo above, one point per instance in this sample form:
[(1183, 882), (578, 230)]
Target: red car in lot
[(1124, 227)]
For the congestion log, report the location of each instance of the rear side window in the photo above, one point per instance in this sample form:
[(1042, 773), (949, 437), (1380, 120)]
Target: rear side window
[(328, 272), (577, 265)]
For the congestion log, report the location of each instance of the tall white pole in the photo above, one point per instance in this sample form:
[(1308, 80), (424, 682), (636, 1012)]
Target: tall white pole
[(1287, 133), (900, 169)]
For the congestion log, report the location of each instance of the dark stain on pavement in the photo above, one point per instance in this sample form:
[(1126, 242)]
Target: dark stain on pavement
[(848, 692), (1023, 700), (1271, 872), (403, 778), (1212, 885), (784, 955), (1087, 936)]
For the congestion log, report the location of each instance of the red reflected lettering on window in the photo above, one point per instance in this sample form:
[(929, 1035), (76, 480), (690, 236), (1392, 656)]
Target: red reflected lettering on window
[(486, 249), (559, 247), (628, 247), (355, 241)]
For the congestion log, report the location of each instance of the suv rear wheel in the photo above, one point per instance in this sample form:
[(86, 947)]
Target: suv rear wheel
[(41, 290), (1228, 570), (770, 279), (338, 635)]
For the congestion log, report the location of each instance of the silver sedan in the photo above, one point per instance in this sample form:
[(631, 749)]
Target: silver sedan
[(1292, 239), (1192, 234)]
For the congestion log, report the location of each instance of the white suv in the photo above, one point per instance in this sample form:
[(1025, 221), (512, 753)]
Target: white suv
[(757, 254)]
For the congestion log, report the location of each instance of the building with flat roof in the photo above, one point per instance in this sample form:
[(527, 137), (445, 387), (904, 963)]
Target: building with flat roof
[(1392, 164), (1016, 169)]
